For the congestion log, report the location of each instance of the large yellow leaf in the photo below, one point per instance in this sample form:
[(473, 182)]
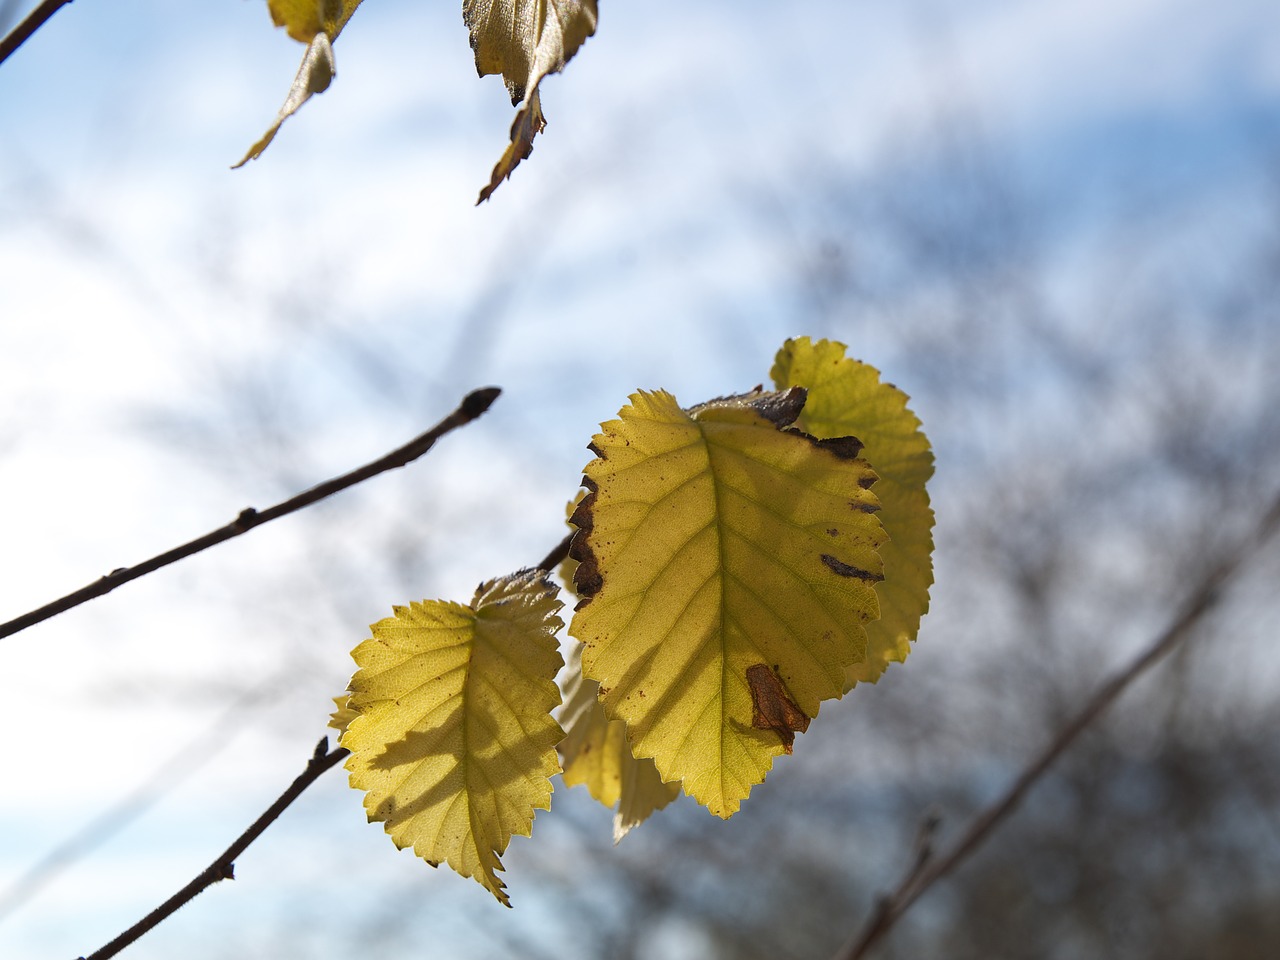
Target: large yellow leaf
[(454, 744), (847, 398), (726, 569), (316, 23), (595, 752), (524, 40)]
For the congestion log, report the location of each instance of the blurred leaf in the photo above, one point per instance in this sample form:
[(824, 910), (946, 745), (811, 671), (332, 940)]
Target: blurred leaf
[(595, 752), (528, 123), (454, 744), (524, 40), (316, 23), (846, 398), (713, 541)]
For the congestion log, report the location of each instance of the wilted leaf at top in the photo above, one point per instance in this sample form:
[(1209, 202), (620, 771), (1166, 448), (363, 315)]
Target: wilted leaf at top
[(316, 23), (454, 744), (847, 398), (595, 752), (713, 541), (303, 19), (524, 40)]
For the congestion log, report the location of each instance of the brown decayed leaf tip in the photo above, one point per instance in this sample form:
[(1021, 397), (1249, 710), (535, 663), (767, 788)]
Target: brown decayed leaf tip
[(772, 709), (586, 578)]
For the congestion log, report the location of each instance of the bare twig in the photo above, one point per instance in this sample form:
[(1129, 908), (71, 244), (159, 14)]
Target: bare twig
[(34, 21), (223, 868), (1200, 602), (472, 406), (557, 555)]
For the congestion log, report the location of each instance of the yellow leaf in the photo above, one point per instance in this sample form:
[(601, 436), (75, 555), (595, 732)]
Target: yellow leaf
[(713, 541), (454, 744), (524, 40), (846, 398), (595, 752), (316, 23), (341, 718), (529, 122), (303, 19)]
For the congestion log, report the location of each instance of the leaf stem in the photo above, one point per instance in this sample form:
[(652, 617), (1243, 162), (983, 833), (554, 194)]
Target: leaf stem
[(34, 21), (1203, 599), (472, 406), (223, 868)]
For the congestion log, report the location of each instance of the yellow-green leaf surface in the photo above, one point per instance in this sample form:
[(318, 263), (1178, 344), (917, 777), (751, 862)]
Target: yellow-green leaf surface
[(316, 23), (454, 744), (341, 718), (595, 752), (524, 40), (713, 542), (846, 397)]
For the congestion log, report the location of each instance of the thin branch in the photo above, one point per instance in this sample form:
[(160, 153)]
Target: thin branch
[(472, 406), (223, 868), (1201, 601), (23, 31), (556, 556)]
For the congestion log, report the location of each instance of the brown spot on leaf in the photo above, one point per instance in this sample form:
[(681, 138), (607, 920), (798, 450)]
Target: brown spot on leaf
[(856, 573), (846, 448), (862, 507), (780, 407), (832, 532), (772, 708)]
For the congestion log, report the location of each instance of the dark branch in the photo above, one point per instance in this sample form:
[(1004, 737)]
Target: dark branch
[(1201, 601), (472, 406), (23, 31), (556, 556), (223, 868)]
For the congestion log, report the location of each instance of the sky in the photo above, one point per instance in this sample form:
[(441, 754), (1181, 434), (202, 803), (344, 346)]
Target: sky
[(149, 296)]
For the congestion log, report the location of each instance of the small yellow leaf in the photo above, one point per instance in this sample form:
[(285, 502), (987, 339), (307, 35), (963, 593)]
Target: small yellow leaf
[(341, 718), (846, 398), (303, 19), (529, 122), (314, 76), (595, 752), (454, 744), (524, 40), (316, 23), (713, 540)]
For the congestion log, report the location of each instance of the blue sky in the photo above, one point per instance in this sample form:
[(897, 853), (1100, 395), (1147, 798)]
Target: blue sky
[(648, 242)]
